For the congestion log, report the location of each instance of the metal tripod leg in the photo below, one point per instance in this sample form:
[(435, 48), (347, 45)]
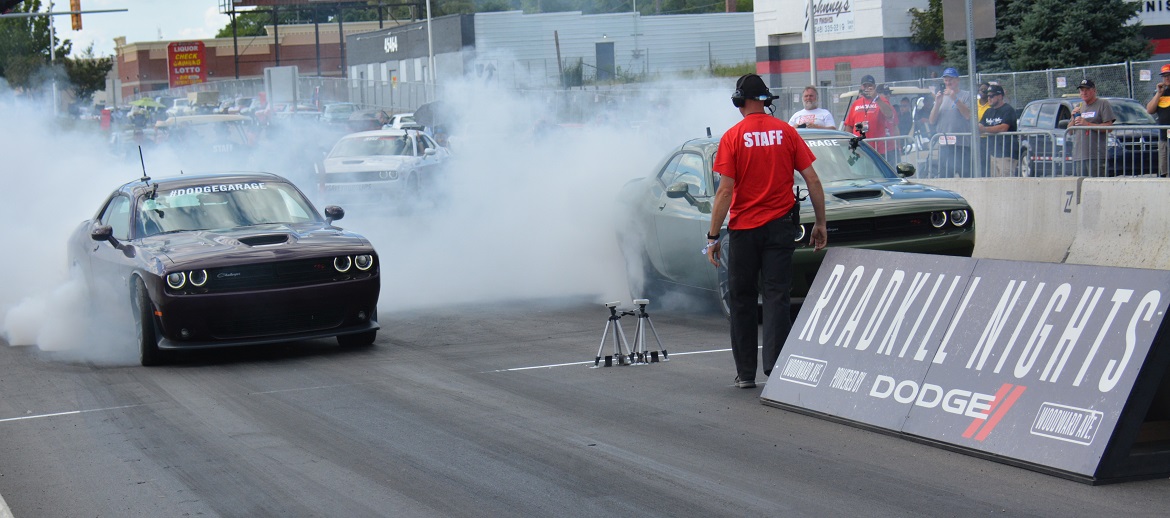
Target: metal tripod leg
[(640, 337), (621, 348)]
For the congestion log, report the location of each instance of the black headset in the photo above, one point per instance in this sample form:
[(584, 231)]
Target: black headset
[(738, 98)]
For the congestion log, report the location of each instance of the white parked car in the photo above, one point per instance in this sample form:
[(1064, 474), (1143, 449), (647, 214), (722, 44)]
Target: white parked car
[(372, 165), (400, 121)]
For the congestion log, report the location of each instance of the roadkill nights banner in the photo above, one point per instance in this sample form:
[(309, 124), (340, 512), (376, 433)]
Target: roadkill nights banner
[(1031, 361)]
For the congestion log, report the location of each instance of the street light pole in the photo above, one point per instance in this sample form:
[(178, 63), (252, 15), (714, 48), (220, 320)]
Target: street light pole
[(812, 42), (430, 49), (53, 55)]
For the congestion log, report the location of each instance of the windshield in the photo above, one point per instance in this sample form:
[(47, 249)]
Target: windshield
[(339, 108), (836, 162), (223, 206), (1129, 112), (384, 145)]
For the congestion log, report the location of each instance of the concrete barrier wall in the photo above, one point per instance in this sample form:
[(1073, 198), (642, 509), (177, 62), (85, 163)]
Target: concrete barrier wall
[(1123, 222), (1023, 219)]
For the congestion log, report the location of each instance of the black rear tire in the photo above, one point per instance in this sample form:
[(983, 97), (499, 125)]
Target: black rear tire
[(364, 339), (149, 353)]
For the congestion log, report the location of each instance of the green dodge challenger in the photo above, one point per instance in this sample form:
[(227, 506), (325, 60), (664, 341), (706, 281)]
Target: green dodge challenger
[(868, 204)]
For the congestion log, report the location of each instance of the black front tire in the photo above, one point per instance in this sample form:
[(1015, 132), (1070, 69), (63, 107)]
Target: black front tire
[(364, 339), (149, 353)]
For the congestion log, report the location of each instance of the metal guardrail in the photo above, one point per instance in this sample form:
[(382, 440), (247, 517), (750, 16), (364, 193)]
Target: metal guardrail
[(1116, 151)]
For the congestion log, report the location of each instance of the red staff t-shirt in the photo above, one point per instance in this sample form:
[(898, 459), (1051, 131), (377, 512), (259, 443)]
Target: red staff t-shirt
[(761, 153)]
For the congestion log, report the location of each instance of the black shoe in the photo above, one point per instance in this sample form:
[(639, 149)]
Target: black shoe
[(744, 384)]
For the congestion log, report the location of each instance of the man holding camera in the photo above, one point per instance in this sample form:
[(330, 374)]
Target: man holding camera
[(1159, 107), (951, 117), (873, 115), (811, 116)]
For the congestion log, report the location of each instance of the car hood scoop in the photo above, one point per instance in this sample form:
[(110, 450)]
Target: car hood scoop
[(209, 248), (862, 194), (264, 239)]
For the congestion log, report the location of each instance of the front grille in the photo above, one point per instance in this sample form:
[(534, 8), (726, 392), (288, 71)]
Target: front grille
[(362, 176), (285, 274), (261, 322), (869, 229)]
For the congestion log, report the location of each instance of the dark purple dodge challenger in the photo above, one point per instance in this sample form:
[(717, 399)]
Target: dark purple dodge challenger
[(226, 260)]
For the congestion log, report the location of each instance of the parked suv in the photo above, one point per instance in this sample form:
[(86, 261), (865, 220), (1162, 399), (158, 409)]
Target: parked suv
[(1128, 151)]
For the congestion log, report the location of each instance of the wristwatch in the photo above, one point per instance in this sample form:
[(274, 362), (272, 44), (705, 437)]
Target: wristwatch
[(712, 237)]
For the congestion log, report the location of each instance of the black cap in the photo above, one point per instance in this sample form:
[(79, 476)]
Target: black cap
[(1086, 83), (752, 87), (994, 90), (867, 80)]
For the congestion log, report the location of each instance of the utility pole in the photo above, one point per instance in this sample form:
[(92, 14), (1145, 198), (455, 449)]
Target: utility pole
[(53, 33)]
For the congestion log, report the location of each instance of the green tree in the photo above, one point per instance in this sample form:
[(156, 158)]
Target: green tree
[(24, 46), (1090, 32), (87, 74), (1030, 37)]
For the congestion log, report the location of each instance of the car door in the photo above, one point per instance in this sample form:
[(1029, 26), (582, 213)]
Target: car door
[(428, 163), (682, 223), (111, 265)]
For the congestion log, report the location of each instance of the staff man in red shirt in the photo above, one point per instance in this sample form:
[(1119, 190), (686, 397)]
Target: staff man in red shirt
[(756, 159)]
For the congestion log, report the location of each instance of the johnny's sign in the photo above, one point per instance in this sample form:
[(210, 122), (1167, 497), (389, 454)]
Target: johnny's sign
[(1029, 361)]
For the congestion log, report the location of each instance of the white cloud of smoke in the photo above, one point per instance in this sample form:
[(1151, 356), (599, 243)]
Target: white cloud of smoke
[(527, 212)]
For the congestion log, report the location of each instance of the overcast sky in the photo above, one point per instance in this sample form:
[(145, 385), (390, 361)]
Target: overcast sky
[(144, 20)]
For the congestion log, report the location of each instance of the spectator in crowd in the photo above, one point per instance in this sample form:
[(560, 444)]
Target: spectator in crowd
[(876, 118), (951, 117), (1089, 150), (1159, 107), (1000, 117), (905, 117), (812, 116), (983, 103)]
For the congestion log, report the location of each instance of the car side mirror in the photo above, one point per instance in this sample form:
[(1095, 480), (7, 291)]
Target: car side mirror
[(102, 233), (333, 213), (905, 170), (430, 152), (1062, 124)]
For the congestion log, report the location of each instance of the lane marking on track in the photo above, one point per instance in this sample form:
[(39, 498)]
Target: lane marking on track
[(297, 389), (74, 412), (589, 362)]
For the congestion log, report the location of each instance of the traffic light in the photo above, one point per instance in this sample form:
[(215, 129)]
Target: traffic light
[(75, 6)]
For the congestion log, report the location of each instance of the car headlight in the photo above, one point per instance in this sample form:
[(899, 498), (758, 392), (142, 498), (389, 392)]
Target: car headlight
[(176, 280), (799, 233), (938, 219), (363, 262), (959, 217), (197, 277), (1111, 141), (342, 263)]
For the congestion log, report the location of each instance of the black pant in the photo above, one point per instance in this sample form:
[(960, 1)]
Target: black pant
[(760, 258)]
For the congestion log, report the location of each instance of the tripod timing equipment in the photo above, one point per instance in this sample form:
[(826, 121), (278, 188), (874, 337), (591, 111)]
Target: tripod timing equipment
[(621, 348), (640, 335)]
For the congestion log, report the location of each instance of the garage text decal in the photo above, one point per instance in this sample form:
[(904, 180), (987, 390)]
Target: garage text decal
[(218, 188)]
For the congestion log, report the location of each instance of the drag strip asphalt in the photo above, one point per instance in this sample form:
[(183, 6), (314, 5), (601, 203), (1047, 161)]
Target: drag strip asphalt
[(478, 410)]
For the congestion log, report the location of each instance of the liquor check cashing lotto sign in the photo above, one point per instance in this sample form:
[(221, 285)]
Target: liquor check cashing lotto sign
[(1033, 362)]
